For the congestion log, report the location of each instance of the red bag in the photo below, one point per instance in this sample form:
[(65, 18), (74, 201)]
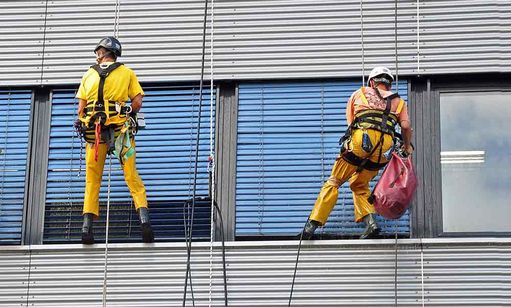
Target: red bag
[(394, 191)]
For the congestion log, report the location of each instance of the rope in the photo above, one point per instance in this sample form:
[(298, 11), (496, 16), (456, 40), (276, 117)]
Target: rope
[(422, 273), (194, 189), (418, 38), (107, 225), (106, 229), (397, 90), (395, 264), (395, 45), (211, 164), (296, 266), (362, 40), (116, 19)]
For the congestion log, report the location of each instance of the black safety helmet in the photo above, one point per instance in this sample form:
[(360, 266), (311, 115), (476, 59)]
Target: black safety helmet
[(110, 43)]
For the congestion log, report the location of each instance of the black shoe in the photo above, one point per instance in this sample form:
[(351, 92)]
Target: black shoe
[(87, 233), (145, 226), (308, 230), (372, 230)]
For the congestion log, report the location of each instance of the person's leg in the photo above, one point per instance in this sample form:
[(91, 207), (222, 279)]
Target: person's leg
[(138, 193), (93, 175), (328, 195)]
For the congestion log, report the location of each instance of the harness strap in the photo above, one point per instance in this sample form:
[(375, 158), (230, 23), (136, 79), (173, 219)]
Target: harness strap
[(123, 147), (366, 163), (97, 131), (351, 158), (103, 74)]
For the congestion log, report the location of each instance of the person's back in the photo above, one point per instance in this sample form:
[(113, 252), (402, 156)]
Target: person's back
[(372, 114), (103, 117)]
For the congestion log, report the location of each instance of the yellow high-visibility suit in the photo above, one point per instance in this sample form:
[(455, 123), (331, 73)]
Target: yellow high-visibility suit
[(361, 100), (121, 84)]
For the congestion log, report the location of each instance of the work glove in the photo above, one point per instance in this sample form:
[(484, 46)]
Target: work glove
[(77, 124), (407, 150)]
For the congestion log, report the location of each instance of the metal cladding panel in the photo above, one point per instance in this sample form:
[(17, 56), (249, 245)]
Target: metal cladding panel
[(288, 137), (165, 160), (255, 39), (252, 39), (73, 29), (14, 128), (21, 42), (465, 36), (14, 271), (431, 272)]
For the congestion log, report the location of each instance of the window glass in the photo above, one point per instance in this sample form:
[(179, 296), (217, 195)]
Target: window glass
[(476, 168)]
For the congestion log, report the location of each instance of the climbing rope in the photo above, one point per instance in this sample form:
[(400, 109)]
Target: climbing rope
[(362, 40), (105, 276), (107, 225), (194, 187), (211, 159), (397, 91)]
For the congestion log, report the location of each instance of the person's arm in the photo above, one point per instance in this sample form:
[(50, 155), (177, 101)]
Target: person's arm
[(136, 93), (136, 103), (82, 103), (350, 112), (406, 130)]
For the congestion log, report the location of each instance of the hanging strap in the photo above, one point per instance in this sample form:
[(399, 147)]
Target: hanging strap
[(123, 147)]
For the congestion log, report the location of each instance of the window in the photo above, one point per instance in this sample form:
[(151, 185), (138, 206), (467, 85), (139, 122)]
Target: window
[(475, 163)]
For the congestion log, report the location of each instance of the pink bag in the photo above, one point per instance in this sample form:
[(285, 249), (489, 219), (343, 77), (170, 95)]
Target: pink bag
[(394, 191)]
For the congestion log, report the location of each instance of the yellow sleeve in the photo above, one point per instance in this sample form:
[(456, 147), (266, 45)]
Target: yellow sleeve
[(134, 87), (350, 112), (81, 94)]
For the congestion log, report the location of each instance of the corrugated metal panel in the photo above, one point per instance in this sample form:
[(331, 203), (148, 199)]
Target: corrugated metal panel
[(287, 141), (257, 39), (465, 36), (456, 272), (21, 42), (253, 39), (14, 271), (14, 126), (165, 156)]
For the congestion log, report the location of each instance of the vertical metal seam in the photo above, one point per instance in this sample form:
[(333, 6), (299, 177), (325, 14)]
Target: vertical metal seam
[(362, 39), (418, 37), (211, 152), (44, 41)]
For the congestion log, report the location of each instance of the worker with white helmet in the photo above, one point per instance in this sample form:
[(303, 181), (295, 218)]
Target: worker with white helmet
[(372, 114)]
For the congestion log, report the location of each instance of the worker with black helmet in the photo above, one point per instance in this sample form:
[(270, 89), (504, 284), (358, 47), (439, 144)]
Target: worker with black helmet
[(372, 114), (104, 115)]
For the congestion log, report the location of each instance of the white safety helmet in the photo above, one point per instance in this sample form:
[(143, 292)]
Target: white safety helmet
[(380, 71)]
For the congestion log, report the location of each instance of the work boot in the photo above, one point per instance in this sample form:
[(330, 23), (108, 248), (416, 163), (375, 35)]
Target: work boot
[(308, 230), (372, 230), (145, 226), (87, 234)]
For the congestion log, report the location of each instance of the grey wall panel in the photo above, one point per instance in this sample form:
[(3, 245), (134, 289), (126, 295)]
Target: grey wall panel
[(465, 36), (21, 42), (456, 272), (255, 39), (73, 28), (14, 271)]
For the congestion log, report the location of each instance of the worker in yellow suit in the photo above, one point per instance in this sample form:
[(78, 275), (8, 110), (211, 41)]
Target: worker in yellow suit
[(103, 115), (372, 114)]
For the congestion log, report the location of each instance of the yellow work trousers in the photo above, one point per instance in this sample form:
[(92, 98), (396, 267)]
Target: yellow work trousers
[(94, 172), (359, 181)]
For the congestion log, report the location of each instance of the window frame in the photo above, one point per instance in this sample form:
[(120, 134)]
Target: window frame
[(428, 209)]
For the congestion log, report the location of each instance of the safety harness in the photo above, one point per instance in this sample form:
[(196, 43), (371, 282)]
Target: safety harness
[(97, 125), (381, 120)]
